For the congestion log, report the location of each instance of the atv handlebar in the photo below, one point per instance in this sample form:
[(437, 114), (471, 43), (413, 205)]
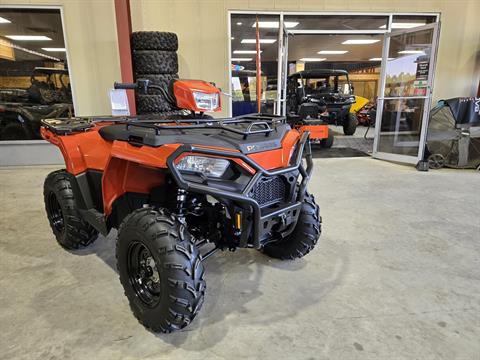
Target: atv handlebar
[(124, 85), (141, 84)]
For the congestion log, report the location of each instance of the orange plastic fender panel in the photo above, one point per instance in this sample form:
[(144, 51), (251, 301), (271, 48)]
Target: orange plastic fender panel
[(274, 159), (317, 132), (81, 151)]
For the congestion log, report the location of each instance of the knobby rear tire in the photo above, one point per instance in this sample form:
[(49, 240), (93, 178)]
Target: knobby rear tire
[(154, 40), (154, 62), (68, 226), (350, 124), (328, 142)]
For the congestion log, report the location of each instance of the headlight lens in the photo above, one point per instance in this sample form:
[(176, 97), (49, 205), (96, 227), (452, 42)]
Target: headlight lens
[(206, 101), (209, 166)]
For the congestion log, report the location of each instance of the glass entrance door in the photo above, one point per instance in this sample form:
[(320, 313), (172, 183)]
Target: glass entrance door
[(282, 70), (403, 105)]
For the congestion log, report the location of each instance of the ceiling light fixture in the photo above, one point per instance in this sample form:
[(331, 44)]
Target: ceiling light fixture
[(312, 59), (275, 24), (241, 59), (55, 49), (403, 25), (15, 46), (239, 23), (360, 41), (4, 21), (379, 59), (245, 51), (28, 37), (411, 52), (332, 52), (262, 41)]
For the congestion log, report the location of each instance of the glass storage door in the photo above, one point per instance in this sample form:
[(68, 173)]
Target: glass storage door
[(405, 93)]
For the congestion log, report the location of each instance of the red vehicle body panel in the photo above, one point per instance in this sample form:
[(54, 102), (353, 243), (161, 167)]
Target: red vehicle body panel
[(317, 132)]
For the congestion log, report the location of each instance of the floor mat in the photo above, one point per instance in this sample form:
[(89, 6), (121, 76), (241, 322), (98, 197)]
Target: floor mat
[(336, 152)]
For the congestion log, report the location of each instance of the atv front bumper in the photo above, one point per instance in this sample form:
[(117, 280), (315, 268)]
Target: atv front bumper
[(258, 221)]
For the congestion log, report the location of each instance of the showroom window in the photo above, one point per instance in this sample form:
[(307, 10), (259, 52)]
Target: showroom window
[(243, 62), (34, 77), (347, 41), (337, 22)]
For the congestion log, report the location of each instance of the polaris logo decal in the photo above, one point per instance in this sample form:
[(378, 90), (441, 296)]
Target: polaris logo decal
[(261, 147)]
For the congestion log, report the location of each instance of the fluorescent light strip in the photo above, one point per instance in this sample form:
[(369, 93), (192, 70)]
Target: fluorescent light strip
[(4, 21), (274, 24), (55, 49), (312, 59), (241, 59), (28, 37), (402, 25), (9, 44), (359, 41), (245, 51), (262, 41), (332, 52), (420, 52)]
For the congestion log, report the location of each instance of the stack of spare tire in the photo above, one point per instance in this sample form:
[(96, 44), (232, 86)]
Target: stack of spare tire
[(154, 58)]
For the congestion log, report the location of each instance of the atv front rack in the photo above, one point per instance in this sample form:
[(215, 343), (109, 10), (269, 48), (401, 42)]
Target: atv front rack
[(254, 124)]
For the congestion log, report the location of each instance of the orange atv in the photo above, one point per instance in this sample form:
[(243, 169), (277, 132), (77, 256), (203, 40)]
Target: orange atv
[(173, 186)]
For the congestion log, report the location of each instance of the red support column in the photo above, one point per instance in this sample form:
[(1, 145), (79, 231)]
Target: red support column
[(124, 31)]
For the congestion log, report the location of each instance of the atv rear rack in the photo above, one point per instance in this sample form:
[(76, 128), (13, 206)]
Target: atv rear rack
[(255, 124)]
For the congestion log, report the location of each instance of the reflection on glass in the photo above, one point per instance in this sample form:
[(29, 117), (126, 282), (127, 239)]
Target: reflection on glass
[(34, 81), (402, 22), (243, 66), (401, 126), (408, 67), (337, 22)]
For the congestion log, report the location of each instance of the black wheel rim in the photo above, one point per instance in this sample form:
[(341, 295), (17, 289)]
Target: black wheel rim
[(143, 273), (436, 161), (55, 213)]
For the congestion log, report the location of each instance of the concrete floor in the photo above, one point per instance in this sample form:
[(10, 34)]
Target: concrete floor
[(396, 275)]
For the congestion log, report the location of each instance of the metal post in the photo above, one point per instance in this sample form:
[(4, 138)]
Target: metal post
[(124, 31)]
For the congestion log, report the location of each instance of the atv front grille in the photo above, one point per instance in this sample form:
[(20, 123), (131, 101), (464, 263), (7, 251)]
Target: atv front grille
[(269, 190)]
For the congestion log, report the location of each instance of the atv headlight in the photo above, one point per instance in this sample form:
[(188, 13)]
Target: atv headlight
[(209, 166), (206, 101)]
